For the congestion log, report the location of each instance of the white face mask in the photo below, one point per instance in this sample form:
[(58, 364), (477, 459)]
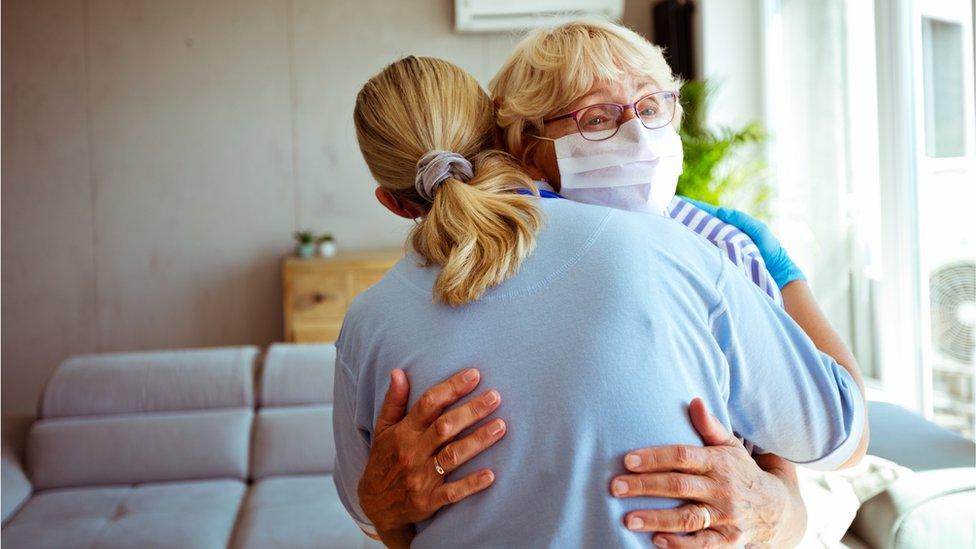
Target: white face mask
[(636, 170)]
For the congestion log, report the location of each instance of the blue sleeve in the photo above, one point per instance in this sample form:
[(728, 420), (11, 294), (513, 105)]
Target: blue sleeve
[(351, 443), (784, 395)]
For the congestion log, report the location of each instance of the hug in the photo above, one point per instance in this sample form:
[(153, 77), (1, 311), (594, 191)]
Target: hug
[(570, 354)]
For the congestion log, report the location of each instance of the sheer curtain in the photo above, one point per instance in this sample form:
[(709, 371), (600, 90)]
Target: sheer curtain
[(820, 110)]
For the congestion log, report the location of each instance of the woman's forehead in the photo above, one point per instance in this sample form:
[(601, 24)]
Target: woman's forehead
[(624, 90)]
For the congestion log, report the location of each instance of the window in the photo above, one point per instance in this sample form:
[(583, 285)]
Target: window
[(946, 175), (872, 105), (942, 82)]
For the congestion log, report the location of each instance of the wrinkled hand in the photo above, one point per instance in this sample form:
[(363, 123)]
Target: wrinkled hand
[(400, 485), (774, 255), (745, 503)]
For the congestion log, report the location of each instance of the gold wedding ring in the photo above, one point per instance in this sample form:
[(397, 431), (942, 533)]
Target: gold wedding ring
[(706, 516), (440, 470)]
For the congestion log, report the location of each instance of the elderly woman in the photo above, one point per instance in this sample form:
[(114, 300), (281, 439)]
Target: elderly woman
[(553, 65)]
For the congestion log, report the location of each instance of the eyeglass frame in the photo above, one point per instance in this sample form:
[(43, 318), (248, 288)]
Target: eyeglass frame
[(623, 108)]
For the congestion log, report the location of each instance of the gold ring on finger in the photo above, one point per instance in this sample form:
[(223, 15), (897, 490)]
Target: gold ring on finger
[(437, 467), (706, 517)]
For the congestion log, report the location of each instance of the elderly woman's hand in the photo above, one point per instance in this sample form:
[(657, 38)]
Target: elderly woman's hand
[(744, 504), (401, 485)]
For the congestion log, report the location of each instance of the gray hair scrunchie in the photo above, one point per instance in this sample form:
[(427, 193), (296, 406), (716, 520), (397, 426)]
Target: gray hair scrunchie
[(435, 167)]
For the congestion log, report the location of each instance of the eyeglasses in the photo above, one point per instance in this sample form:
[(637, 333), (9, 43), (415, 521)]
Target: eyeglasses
[(601, 121)]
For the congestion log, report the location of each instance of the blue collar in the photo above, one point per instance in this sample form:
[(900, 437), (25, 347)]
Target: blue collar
[(545, 191)]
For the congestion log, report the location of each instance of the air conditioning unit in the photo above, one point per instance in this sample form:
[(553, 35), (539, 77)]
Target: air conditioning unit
[(511, 15), (948, 260)]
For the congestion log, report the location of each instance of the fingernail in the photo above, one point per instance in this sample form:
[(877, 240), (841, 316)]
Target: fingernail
[(632, 461), (496, 427), (635, 523), (620, 487), (663, 542), (491, 397), (487, 476), (471, 374)]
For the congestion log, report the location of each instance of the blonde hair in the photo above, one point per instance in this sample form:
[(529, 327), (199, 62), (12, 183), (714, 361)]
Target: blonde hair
[(480, 230), (553, 67)]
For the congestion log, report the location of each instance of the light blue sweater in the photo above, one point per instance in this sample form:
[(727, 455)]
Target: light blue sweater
[(614, 323)]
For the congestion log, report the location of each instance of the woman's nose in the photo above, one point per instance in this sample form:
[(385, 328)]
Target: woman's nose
[(627, 115)]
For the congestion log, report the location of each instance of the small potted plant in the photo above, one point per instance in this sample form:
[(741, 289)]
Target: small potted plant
[(327, 247), (305, 243)]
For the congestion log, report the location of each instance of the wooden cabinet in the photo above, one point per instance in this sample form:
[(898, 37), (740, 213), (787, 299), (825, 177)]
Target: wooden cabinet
[(317, 291)]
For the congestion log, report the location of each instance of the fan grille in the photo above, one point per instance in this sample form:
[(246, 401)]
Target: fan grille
[(952, 291)]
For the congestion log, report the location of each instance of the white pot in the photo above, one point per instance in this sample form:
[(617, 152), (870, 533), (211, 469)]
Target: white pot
[(327, 248)]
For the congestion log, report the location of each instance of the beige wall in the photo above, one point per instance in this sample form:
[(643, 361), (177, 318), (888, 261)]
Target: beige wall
[(158, 155)]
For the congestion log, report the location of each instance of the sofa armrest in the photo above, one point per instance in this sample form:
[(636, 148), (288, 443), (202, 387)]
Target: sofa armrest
[(16, 486), (925, 509), (933, 507), (910, 440)]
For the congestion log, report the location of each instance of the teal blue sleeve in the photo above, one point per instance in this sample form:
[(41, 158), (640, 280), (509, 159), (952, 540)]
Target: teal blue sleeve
[(784, 395)]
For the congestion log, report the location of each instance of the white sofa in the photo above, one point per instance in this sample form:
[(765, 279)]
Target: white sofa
[(229, 447), (202, 448), (934, 506)]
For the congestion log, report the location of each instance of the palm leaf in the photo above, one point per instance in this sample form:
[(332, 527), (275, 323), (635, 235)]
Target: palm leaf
[(721, 166)]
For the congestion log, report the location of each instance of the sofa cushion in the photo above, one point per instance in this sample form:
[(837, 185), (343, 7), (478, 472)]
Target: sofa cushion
[(293, 428), (926, 509), (156, 381), (178, 515), (891, 426), (293, 440), (297, 512), (139, 448), (297, 374), (16, 486)]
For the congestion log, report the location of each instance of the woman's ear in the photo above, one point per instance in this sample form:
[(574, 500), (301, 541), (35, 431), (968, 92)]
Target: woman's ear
[(540, 163), (406, 210), (534, 171)]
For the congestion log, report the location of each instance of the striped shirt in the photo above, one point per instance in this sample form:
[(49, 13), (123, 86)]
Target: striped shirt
[(737, 245)]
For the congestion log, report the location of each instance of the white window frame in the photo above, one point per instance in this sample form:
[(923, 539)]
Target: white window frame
[(900, 321), (885, 144)]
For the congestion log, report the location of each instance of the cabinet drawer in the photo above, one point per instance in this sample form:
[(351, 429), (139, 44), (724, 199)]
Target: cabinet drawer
[(317, 291), (317, 295)]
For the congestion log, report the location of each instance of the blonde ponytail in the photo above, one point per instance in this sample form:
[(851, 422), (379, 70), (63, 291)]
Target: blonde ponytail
[(479, 231)]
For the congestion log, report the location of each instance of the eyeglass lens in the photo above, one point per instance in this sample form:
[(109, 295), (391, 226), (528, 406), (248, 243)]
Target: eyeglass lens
[(600, 121)]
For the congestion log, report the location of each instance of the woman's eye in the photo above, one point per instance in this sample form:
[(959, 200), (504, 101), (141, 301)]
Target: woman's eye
[(596, 121), (648, 111)]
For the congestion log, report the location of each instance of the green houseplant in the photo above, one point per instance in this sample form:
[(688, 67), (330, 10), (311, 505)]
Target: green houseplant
[(305, 243), (721, 165)]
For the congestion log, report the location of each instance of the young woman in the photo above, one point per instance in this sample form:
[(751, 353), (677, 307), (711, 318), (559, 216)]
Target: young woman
[(598, 325)]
